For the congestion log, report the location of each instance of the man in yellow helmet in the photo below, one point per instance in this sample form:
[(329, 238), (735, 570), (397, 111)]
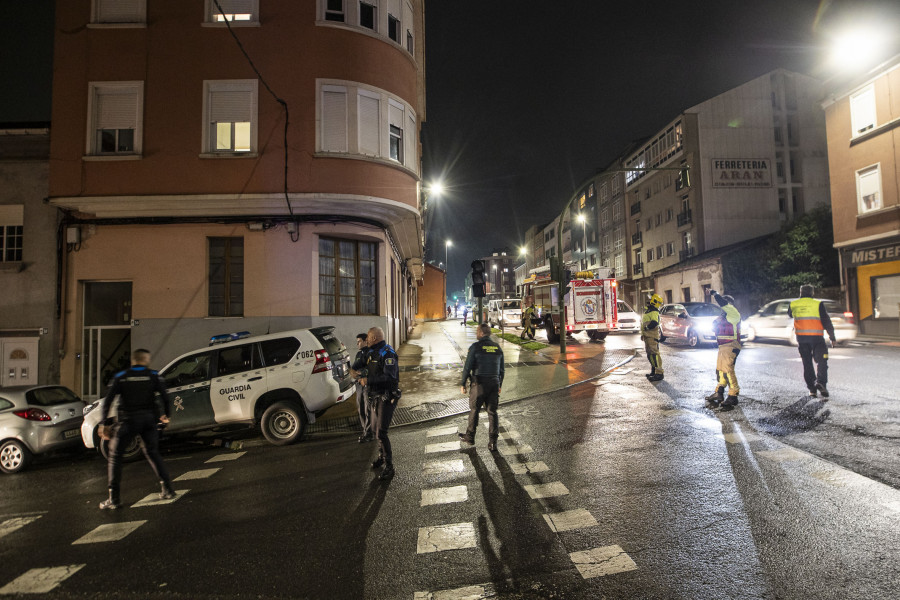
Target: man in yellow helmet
[(650, 337), (811, 321), (728, 336)]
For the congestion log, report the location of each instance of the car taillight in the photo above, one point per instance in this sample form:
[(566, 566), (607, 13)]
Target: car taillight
[(848, 316), (323, 362), (32, 414)]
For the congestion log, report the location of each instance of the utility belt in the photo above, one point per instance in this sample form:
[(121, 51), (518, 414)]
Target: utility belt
[(392, 395), (487, 378)]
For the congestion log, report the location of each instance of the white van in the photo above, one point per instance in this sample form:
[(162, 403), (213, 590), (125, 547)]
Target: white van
[(507, 313)]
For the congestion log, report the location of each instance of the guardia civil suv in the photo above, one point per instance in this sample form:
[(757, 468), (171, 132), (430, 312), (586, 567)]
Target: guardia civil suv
[(278, 382)]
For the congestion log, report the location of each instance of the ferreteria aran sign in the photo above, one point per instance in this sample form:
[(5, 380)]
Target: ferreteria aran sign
[(741, 172)]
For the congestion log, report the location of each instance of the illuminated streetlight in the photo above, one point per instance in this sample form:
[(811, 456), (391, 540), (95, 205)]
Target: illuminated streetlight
[(857, 49), (447, 245)]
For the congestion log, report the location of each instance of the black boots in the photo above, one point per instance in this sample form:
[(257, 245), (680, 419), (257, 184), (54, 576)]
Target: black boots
[(387, 473), (377, 462), (111, 503), (165, 491), (465, 437), (729, 403), (716, 398), (492, 445)]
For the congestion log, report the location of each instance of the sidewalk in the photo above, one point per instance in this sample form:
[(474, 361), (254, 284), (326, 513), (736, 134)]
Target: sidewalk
[(431, 363)]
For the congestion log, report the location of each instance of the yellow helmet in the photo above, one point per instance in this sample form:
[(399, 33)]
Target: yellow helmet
[(656, 300)]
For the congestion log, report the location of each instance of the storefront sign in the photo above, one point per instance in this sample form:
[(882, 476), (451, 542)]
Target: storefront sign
[(741, 173), (867, 256)]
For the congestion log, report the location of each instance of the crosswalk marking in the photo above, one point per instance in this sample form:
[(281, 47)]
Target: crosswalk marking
[(570, 519), (442, 447), (546, 490), (510, 435), (443, 466), (439, 431), (444, 495), (111, 532), (455, 536), (738, 438), (600, 562), (471, 592), (528, 467), (39, 581), (154, 500), (198, 474), (781, 455), (512, 450), (10, 525), (226, 456)]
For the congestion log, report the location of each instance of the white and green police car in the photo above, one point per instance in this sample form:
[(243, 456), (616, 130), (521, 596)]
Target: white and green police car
[(278, 382)]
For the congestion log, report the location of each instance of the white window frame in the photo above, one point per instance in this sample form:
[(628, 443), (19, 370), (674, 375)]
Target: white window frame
[(11, 216), (336, 138), (211, 13), (402, 10), (863, 117), (408, 32), (870, 171), (213, 86), (325, 11), (96, 89), (376, 19), (396, 120), (130, 13)]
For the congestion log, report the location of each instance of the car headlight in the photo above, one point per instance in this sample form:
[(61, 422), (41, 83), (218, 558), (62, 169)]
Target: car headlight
[(705, 328), (90, 407)]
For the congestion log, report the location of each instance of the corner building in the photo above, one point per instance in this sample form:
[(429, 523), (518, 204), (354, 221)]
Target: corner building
[(203, 196)]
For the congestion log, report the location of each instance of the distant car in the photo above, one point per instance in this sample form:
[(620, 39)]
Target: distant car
[(772, 322), (278, 382), (629, 321), (35, 420), (691, 322)]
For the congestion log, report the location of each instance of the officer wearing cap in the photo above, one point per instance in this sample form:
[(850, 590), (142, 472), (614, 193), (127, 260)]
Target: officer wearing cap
[(382, 381), (485, 367), (650, 336)]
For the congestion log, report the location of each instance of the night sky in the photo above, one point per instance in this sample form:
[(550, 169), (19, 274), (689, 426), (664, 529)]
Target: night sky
[(525, 100)]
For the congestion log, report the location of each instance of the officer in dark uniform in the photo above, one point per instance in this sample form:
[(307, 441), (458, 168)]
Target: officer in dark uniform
[(143, 405), (382, 381), (485, 367), (358, 371)]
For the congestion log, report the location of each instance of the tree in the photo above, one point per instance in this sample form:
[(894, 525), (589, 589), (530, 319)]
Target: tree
[(803, 252)]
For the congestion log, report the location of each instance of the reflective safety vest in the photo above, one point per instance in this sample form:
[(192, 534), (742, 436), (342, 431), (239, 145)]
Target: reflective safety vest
[(651, 315), (728, 327), (806, 317)]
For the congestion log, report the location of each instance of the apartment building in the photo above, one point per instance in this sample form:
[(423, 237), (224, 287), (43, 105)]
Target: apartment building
[(204, 193), (861, 118), (500, 274)]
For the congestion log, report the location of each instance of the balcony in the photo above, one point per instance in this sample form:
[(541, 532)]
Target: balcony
[(638, 268), (636, 208), (636, 238), (685, 254), (684, 218)]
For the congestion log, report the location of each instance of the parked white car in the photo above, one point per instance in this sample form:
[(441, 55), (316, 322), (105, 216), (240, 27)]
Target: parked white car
[(628, 320), (772, 322), (507, 313)]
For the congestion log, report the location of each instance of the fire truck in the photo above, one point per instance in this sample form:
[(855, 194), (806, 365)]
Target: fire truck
[(590, 303)]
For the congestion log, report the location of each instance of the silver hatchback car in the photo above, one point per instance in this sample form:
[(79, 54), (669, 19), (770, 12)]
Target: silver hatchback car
[(35, 420)]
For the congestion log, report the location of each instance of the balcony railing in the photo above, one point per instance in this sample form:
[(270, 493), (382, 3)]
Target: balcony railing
[(638, 268), (635, 208), (685, 254), (636, 238), (684, 218)]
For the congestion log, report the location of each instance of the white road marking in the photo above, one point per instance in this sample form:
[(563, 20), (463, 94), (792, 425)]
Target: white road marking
[(153, 499), (443, 466), (10, 525), (111, 532), (472, 592), (528, 467), (600, 562), (546, 490), (39, 581), (441, 431), (512, 450), (893, 505), (226, 456), (738, 438), (510, 435), (570, 519), (444, 495), (198, 474), (446, 537), (674, 412), (782, 454), (835, 478), (442, 447)]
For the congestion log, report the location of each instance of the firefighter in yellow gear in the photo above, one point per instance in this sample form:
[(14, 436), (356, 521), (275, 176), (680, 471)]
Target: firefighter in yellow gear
[(650, 337), (728, 336), (528, 318), (811, 321)]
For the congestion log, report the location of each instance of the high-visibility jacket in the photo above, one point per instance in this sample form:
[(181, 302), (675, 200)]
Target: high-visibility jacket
[(728, 327), (650, 323), (807, 321)]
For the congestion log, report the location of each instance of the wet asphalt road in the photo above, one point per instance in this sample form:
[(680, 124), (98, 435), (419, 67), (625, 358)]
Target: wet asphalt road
[(687, 503)]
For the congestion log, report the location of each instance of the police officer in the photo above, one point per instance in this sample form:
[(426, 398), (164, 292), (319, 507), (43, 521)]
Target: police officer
[(143, 405), (484, 366), (728, 336), (358, 370), (383, 382), (811, 321), (650, 337)]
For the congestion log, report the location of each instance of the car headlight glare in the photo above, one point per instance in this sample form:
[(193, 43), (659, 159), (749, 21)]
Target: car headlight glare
[(90, 407)]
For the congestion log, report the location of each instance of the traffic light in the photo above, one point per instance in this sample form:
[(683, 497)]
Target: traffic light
[(566, 279), (478, 278), (554, 269)]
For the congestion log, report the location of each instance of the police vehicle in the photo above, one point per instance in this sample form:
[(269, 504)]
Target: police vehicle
[(279, 382)]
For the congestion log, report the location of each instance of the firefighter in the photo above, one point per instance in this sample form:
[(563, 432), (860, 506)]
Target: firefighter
[(728, 337), (528, 318), (811, 321), (650, 337)]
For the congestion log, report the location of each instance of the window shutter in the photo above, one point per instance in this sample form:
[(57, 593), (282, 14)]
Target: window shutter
[(395, 114), (120, 11), (862, 111), (230, 107), (369, 125), (233, 7), (334, 121), (116, 111), (409, 140)]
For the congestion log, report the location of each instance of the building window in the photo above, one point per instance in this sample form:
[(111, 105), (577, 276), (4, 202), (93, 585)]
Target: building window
[(686, 294), (118, 11), (347, 277), (670, 248), (619, 238), (868, 189), (620, 265), (226, 277), (367, 15), (234, 11), (115, 111), (11, 232), (230, 123), (334, 119), (408, 19), (604, 218), (334, 10), (670, 213), (394, 18), (618, 210), (615, 185), (649, 255), (862, 110), (659, 252), (395, 115), (885, 293)]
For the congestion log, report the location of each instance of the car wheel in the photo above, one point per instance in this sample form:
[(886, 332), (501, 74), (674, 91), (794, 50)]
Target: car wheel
[(131, 453), (552, 336), (14, 456), (597, 336), (284, 423), (693, 339), (792, 338)]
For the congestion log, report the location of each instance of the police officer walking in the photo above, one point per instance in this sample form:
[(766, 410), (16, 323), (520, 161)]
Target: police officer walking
[(650, 337), (139, 414), (358, 370), (383, 382), (728, 336), (811, 321), (485, 367)]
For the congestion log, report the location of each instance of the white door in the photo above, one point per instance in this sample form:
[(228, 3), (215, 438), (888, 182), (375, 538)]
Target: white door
[(18, 361)]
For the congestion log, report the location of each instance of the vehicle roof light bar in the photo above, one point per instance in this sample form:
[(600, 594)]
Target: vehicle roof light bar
[(227, 337)]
